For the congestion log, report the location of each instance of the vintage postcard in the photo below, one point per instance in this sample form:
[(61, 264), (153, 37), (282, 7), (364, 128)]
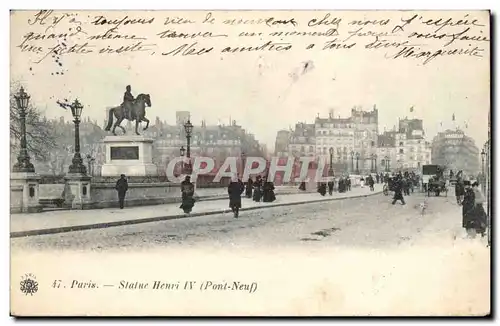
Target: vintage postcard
[(250, 163)]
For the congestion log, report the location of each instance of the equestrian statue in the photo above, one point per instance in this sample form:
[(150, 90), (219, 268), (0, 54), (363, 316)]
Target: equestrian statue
[(131, 109)]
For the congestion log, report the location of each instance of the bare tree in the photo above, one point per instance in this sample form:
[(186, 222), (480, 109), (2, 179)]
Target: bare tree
[(40, 139)]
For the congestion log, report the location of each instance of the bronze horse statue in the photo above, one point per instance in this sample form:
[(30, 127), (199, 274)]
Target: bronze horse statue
[(138, 113)]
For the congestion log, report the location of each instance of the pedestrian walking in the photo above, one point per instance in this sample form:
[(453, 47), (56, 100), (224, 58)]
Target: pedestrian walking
[(398, 191), (371, 183), (121, 187), (249, 188), (362, 182), (257, 189), (187, 194), (235, 190), (331, 185)]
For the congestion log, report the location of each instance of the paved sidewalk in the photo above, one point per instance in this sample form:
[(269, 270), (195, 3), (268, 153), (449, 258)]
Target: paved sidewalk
[(67, 221)]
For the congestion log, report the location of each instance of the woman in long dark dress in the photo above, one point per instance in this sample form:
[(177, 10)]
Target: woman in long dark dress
[(469, 221), (268, 192), (187, 192)]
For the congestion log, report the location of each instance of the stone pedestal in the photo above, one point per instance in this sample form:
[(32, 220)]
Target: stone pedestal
[(77, 191), (129, 155), (24, 192)]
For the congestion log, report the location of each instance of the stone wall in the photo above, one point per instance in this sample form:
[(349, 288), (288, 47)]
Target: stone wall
[(16, 198), (104, 195)]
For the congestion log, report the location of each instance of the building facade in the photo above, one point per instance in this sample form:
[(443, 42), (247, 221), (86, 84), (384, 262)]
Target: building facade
[(456, 151)]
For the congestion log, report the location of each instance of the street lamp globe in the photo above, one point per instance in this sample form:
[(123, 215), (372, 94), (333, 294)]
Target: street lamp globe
[(331, 150), (352, 153), (357, 155), (483, 153), (188, 127), (76, 109), (183, 150), (22, 99)]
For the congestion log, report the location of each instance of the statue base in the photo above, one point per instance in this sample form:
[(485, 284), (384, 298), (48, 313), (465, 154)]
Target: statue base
[(129, 155)]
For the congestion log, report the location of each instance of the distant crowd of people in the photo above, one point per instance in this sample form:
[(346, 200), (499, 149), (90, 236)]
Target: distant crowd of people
[(468, 194)]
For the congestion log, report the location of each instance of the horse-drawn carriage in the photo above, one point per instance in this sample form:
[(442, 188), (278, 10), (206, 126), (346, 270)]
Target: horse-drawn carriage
[(433, 180)]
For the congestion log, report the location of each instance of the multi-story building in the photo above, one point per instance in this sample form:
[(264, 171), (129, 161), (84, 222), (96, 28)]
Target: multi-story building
[(405, 148), (282, 142), (353, 139), (456, 151), (302, 140)]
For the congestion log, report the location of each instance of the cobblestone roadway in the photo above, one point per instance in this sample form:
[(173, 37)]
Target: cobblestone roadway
[(370, 221)]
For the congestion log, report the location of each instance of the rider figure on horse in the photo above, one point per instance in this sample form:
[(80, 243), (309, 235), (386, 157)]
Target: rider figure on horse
[(128, 100)]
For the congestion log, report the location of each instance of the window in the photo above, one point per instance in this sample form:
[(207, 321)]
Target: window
[(373, 143), (401, 151), (311, 148), (401, 143)]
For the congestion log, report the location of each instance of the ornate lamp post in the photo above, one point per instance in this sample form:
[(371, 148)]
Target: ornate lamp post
[(77, 165), (188, 127), (357, 161), (23, 160), (243, 163), (352, 161), (182, 152), (331, 162)]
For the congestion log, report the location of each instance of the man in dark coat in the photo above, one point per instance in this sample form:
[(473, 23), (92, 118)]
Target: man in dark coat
[(371, 182), (378, 177), (121, 187), (249, 188), (398, 191), (302, 186), (348, 183), (187, 193), (235, 189), (331, 184)]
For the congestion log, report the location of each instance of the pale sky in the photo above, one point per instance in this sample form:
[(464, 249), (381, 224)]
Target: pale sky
[(256, 88)]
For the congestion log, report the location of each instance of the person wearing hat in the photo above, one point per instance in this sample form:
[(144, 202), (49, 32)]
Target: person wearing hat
[(187, 193), (234, 190), (468, 221), (121, 187)]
